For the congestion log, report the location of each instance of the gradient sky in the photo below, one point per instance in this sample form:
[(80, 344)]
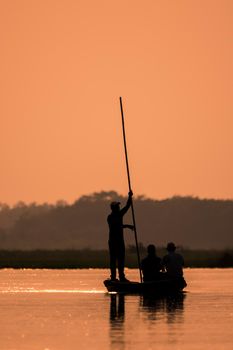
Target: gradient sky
[(63, 66)]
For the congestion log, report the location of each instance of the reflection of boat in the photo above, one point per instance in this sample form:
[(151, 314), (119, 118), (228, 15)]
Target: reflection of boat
[(171, 306), (160, 287)]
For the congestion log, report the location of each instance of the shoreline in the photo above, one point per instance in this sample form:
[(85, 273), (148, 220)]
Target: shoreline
[(86, 258)]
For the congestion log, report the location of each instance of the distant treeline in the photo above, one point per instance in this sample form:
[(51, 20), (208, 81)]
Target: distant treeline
[(190, 222), (71, 259)]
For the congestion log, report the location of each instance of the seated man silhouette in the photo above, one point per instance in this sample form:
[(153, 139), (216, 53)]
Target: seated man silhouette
[(173, 262), (116, 238), (151, 265)]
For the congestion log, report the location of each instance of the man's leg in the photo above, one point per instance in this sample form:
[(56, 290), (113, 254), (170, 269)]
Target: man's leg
[(112, 256), (121, 263)]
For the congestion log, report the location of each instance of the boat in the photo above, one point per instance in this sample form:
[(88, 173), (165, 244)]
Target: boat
[(160, 287)]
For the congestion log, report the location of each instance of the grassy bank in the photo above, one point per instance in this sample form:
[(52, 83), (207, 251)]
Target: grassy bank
[(71, 259)]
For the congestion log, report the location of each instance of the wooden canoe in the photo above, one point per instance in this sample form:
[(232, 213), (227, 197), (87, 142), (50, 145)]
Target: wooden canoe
[(160, 287)]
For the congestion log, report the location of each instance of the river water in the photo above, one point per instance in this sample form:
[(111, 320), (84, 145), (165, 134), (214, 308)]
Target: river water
[(70, 309)]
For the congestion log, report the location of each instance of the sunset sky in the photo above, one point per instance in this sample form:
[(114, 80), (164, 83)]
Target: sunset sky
[(63, 66)]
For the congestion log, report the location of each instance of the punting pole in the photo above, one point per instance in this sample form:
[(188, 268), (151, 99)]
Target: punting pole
[(129, 183)]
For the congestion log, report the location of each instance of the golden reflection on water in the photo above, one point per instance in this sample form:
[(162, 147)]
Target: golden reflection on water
[(170, 308), (116, 320), (78, 291), (61, 310)]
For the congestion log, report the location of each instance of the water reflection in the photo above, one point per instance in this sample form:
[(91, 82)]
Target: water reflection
[(170, 307), (117, 308), (158, 311), (117, 317)]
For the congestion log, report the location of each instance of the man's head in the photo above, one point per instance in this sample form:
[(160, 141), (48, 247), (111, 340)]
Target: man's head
[(171, 247), (115, 206), (151, 249)]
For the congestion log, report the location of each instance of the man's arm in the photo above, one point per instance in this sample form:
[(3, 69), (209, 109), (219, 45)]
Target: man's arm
[(128, 204), (164, 262), (161, 266)]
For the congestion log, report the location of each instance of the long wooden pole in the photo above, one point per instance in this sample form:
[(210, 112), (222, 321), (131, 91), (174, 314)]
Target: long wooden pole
[(130, 189)]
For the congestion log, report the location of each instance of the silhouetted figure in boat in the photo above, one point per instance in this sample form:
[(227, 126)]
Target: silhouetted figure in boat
[(116, 238), (173, 262), (151, 265)]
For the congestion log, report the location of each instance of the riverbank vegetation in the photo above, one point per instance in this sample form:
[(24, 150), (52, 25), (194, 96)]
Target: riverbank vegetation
[(87, 258), (188, 221)]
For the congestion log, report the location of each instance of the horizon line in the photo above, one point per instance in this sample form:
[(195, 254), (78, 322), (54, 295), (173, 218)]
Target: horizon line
[(136, 197)]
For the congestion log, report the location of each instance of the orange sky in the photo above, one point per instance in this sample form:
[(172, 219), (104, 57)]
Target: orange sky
[(63, 66)]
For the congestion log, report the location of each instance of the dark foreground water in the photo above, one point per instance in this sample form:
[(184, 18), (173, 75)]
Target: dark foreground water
[(69, 309)]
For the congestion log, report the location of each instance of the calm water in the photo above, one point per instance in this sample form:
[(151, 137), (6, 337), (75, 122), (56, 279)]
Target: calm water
[(69, 309)]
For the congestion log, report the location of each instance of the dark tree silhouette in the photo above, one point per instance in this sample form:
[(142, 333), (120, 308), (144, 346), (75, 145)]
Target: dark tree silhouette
[(190, 222)]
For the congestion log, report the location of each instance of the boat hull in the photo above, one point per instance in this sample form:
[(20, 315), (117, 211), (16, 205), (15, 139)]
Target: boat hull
[(161, 287)]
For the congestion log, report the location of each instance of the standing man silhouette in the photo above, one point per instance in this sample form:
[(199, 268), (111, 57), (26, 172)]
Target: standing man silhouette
[(116, 238)]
